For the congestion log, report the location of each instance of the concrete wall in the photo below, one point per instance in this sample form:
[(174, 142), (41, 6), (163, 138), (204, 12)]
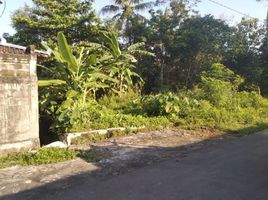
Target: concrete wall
[(19, 121)]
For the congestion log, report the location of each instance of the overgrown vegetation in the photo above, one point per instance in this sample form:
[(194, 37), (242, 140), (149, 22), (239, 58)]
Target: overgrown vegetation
[(175, 69), (216, 103)]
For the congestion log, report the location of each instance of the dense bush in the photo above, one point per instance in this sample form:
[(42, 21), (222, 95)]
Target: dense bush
[(219, 84), (216, 103), (241, 109), (79, 116)]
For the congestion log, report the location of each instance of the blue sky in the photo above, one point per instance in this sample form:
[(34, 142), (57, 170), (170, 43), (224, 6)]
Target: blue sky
[(250, 7)]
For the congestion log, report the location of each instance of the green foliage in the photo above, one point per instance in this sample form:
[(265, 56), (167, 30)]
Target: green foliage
[(127, 103), (46, 156), (168, 104), (184, 47), (125, 12), (93, 82), (71, 115), (184, 43), (42, 156), (122, 62), (87, 73), (97, 116), (161, 104), (226, 119), (82, 75), (215, 104), (79, 78), (218, 84), (220, 72), (79, 72), (75, 18)]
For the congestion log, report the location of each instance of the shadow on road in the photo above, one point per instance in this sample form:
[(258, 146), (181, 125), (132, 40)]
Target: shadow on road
[(124, 159)]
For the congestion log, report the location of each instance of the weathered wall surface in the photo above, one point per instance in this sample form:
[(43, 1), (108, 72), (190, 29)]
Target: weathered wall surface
[(18, 102)]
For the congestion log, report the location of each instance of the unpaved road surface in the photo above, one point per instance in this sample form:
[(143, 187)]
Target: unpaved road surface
[(217, 169)]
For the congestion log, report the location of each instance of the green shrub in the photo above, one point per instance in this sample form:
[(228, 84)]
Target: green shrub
[(127, 103), (161, 104), (219, 84), (75, 115), (79, 116), (249, 99), (217, 92), (168, 104)]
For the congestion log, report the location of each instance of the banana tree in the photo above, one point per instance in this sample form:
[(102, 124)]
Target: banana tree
[(80, 73), (122, 62), (90, 70)]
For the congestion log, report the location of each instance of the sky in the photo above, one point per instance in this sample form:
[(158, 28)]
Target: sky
[(249, 7)]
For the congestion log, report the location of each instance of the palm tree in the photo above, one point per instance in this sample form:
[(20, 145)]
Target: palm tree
[(125, 11)]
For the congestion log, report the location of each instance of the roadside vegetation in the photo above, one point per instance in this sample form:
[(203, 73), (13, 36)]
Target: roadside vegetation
[(97, 96), (45, 156), (173, 69)]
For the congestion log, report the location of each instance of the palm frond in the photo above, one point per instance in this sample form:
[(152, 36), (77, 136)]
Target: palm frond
[(109, 9), (143, 6), (116, 17), (81, 54)]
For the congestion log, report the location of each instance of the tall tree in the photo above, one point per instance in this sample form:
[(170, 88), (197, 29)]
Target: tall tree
[(159, 33), (75, 18), (125, 11), (185, 45), (243, 56), (201, 42)]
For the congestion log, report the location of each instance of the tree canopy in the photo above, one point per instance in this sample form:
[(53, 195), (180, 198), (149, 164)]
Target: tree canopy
[(75, 18), (184, 43)]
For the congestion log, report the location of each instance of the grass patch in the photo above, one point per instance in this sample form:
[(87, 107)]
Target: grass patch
[(248, 130), (45, 156)]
